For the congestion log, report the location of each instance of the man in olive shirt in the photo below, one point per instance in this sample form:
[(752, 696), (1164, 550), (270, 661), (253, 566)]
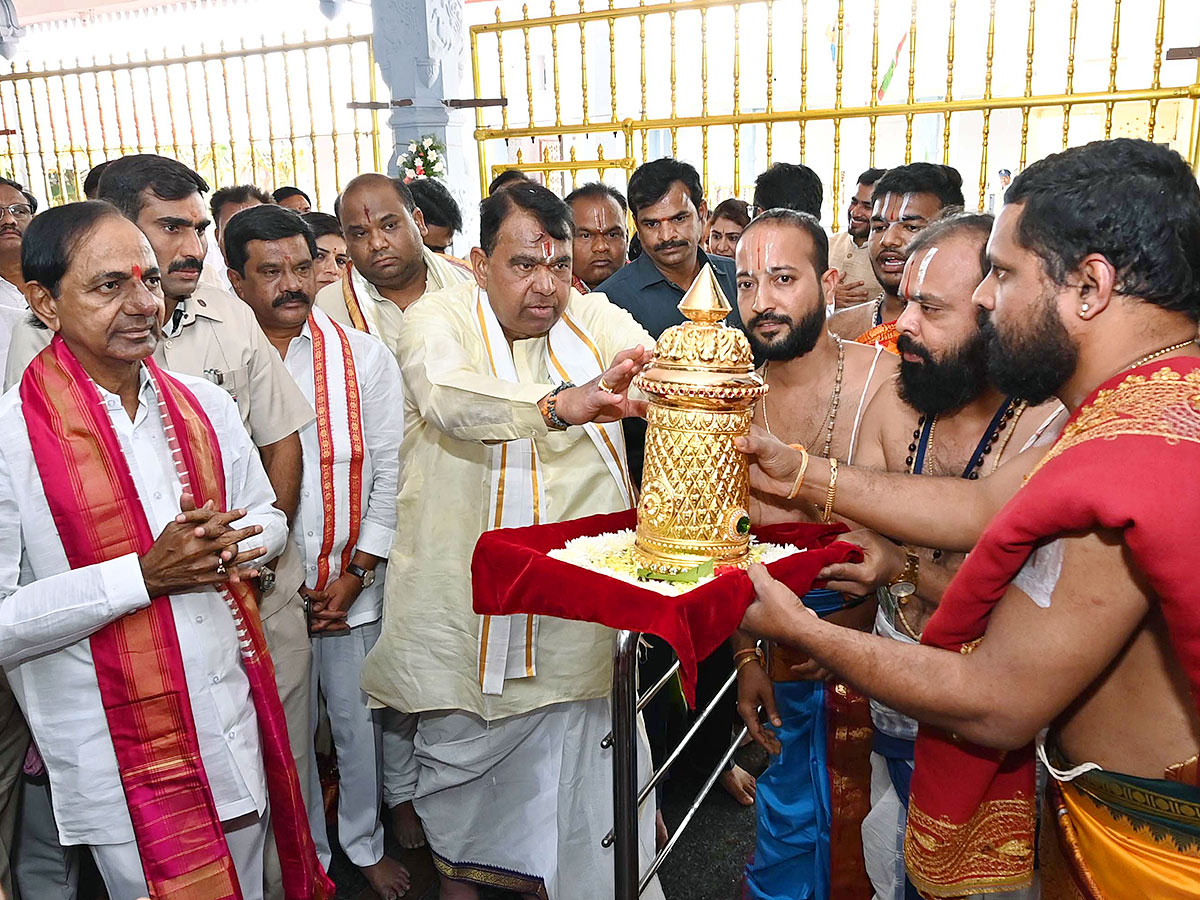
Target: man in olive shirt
[(210, 334)]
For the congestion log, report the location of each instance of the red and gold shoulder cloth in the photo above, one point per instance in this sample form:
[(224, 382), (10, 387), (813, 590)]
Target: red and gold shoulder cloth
[(139, 667), (971, 811), (886, 334)]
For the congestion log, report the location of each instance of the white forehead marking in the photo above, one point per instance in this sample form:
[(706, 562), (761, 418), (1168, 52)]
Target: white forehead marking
[(925, 265), (903, 206)]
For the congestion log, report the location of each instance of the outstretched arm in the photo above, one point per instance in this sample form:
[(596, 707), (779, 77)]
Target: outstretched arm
[(1030, 665), (946, 512)]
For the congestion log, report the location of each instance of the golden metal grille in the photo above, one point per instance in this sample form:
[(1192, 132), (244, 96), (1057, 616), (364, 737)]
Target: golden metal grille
[(732, 85), (244, 114)]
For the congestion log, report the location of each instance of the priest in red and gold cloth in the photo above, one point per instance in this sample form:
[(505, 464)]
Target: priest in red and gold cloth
[(133, 504), (1077, 610)]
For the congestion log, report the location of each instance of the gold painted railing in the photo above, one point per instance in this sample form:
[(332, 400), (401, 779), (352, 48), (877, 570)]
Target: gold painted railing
[(666, 62), (272, 113)]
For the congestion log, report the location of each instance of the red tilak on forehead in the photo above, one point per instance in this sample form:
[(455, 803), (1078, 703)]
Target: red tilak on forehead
[(547, 248), (599, 227), (906, 283), (758, 257), (137, 272)]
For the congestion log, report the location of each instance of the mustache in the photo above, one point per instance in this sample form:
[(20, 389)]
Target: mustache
[(185, 264), (764, 317), (905, 344), (289, 297), (670, 245)]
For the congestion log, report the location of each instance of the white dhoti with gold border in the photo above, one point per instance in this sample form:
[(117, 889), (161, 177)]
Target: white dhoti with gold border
[(543, 784)]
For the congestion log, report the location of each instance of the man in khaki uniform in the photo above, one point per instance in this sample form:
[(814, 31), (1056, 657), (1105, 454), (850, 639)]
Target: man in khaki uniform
[(209, 334), (390, 267), (848, 251)]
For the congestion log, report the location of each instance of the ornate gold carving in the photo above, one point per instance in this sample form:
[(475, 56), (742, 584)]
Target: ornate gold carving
[(994, 848), (1164, 404), (702, 387)]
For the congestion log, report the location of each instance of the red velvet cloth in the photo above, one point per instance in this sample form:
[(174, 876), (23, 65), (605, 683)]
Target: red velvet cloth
[(512, 573)]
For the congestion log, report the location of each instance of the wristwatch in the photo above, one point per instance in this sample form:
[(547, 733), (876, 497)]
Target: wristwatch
[(366, 576), (904, 585), (266, 578)]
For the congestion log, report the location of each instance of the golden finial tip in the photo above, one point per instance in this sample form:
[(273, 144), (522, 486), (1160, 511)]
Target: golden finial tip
[(704, 300)]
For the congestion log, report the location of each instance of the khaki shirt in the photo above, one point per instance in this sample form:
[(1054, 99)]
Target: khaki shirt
[(385, 316), (218, 339), (853, 261), (455, 410)]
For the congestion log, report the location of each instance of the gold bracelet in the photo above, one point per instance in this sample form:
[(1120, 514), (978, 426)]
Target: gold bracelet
[(749, 651), (799, 482), (749, 659), (827, 515)]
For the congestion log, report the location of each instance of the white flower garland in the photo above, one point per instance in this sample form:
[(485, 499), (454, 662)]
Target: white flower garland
[(612, 554)]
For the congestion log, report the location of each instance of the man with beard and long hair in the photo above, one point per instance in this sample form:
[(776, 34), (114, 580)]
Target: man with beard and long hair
[(940, 416), (812, 798), (1074, 622)]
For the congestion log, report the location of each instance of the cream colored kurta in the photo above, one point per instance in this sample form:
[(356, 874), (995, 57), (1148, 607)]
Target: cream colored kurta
[(384, 315), (427, 658)]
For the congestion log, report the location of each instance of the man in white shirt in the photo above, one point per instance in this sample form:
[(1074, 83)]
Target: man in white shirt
[(139, 661), (347, 514), (17, 207)]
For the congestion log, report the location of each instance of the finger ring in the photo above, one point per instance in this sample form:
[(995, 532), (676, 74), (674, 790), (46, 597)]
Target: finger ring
[(604, 387), (220, 566)]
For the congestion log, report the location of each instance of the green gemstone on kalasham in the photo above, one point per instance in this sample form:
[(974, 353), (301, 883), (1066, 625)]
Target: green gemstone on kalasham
[(743, 525)]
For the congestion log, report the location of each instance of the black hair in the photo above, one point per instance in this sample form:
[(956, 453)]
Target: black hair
[(551, 212), (436, 204), (400, 187), (322, 224), (598, 189), (51, 239), (789, 186), (733, 209), (281, 194), (977, 225), (20, 188), (263, 223), (807, 223), (125, 181), (944, 182), (506, 178), (1132, 201), (650, 182), (91, 184), (238, 193), (870, 176)]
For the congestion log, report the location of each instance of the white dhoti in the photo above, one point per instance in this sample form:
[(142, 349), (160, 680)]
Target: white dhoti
[(337, 660), (524, 803), (399, 763)]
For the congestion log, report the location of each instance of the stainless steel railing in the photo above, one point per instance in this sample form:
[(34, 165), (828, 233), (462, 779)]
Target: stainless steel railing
[(627, 798)]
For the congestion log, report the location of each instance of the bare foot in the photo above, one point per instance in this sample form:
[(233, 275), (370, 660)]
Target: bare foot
[(661, 835), (407, 826), (387, 878), (740, 785)]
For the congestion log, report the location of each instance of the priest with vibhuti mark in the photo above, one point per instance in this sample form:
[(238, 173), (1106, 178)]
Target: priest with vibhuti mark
[(514, 387), (129, 630)]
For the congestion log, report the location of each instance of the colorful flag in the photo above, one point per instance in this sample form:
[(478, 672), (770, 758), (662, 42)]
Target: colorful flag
[(887, 76)]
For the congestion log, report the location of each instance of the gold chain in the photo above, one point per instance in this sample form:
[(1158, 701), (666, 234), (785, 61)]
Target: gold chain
[(834, 399), (1163, 352)]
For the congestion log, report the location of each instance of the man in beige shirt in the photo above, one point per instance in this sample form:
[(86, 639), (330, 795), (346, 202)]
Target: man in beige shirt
[(848, 251), (514, 788), (210, 334), (390, 267)]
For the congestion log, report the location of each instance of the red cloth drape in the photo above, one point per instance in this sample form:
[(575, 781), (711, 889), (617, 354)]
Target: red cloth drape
[(511, 573)]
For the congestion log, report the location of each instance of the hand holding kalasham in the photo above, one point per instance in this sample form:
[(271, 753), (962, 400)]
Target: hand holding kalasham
[(605, 398)]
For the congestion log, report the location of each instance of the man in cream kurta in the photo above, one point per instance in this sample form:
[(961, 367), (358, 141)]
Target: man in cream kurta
[(513, 788)]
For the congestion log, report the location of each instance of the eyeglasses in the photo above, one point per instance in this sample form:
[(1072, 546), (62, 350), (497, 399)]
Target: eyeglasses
[(17, 211)]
